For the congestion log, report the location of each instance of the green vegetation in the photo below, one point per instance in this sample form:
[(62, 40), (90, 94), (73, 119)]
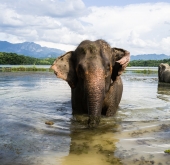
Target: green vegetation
[(149, 63), (15, 69), (15, 59), (145, 71), (167, 151)]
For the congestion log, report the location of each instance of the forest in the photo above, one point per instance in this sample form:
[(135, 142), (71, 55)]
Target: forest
[(149, 63), (15, 59)]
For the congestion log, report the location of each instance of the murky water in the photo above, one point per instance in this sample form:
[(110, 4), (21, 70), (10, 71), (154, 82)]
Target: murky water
[(138, 134)]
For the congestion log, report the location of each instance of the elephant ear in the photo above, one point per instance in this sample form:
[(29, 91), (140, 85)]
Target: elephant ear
[(122, 58), (64, 68)]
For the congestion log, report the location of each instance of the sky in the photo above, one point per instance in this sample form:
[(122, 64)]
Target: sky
[(139, 26)]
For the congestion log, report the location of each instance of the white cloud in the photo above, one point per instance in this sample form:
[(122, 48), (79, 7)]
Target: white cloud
[(54, 8), (139, 28), (10, 38), (9, 17), (65, 47), (165, 44)]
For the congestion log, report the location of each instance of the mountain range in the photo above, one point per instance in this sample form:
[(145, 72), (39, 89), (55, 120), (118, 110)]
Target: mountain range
[(35, 50), (149, 57), (30, 49)]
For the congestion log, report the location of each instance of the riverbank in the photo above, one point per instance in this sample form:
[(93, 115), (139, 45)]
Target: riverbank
[(22, 68)]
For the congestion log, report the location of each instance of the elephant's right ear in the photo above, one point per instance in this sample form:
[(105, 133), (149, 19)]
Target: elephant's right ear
[(122, 58), (64, 68)]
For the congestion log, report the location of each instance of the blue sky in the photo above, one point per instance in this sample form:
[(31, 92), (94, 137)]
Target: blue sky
[(141, 27), (101, 3)]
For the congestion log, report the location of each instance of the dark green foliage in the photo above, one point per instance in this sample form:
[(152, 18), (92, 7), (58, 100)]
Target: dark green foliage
[(21, 68), (15, 59), (145, 71), (167, 151), (150, 63)]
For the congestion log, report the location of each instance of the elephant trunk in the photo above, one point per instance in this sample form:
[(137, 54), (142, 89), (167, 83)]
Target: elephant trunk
[(95, 87)]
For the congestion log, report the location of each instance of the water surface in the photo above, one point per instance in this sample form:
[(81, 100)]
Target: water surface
[(138, 134)]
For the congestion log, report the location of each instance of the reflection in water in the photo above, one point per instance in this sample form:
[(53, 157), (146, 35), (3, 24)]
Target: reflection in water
[(138, 134), (164, 91), (164, 88), (92, 146)]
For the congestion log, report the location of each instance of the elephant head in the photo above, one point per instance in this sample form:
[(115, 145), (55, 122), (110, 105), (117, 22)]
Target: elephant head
[(162, 76), (90, 70)]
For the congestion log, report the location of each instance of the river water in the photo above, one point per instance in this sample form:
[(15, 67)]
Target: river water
[(138, 134)]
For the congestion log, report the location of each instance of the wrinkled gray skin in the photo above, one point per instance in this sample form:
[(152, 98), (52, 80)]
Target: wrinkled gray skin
[(93, 72), (164, 73)]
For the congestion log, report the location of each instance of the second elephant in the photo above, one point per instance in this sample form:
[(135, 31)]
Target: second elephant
[(164, 73)]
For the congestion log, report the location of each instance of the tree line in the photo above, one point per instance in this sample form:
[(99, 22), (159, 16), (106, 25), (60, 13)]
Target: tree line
[(15, 59), (149, 63)]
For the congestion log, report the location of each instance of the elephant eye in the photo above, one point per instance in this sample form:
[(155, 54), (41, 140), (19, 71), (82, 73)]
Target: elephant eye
[(107, 70), (80, 71), (108, 67), (80, 68)]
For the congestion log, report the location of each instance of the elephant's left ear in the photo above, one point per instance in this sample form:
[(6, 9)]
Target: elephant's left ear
[(64, 68), (122, 59)]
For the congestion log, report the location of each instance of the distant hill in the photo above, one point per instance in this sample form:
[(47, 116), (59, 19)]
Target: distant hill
[(149, 57), (30, 49)]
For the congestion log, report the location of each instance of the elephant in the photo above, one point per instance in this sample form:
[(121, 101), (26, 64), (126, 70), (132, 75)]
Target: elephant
[(93, 71), (164, 73)]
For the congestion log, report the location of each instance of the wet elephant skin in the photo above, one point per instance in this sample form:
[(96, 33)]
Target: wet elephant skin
[(93, 71), (164, 73)]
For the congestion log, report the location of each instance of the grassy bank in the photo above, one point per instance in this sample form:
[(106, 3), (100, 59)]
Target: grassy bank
[(145, 71), (34, 68), (16, 69)]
